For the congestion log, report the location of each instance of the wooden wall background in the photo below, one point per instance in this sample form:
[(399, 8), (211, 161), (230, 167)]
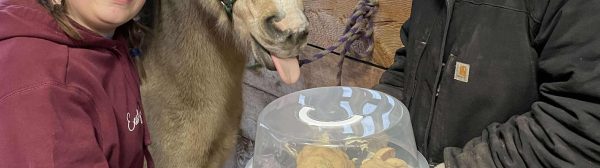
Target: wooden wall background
[(327, 22)]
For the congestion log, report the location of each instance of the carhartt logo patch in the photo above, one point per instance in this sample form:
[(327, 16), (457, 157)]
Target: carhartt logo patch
[(461, 73)]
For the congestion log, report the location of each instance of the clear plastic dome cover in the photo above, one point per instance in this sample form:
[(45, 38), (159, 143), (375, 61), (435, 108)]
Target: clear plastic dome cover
[(336, 127)]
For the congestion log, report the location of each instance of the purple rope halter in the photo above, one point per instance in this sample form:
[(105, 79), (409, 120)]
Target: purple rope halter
[(359, 27)]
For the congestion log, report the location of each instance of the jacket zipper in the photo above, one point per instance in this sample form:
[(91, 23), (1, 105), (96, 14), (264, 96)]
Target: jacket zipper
[(449, 8)]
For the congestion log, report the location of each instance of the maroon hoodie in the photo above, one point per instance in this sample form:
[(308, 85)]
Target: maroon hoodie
[(65, 103)]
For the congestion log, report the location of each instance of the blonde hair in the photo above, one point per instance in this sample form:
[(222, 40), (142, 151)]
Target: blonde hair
[(59, 12)]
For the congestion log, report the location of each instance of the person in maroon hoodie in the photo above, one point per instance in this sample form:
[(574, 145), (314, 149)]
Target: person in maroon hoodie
[(69, 92)]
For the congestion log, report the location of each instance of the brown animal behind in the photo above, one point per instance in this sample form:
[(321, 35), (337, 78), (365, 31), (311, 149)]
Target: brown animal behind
[(194, 66)]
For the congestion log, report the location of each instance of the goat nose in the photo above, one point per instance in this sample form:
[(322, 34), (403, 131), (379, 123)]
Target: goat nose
[(291, 28), (298, 38)]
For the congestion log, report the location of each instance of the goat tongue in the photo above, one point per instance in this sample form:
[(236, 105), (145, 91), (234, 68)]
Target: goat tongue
[(288, 69)]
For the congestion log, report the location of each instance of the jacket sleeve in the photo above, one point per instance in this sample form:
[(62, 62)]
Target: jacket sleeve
[(48, 125), (562, 128), (392, 80)]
